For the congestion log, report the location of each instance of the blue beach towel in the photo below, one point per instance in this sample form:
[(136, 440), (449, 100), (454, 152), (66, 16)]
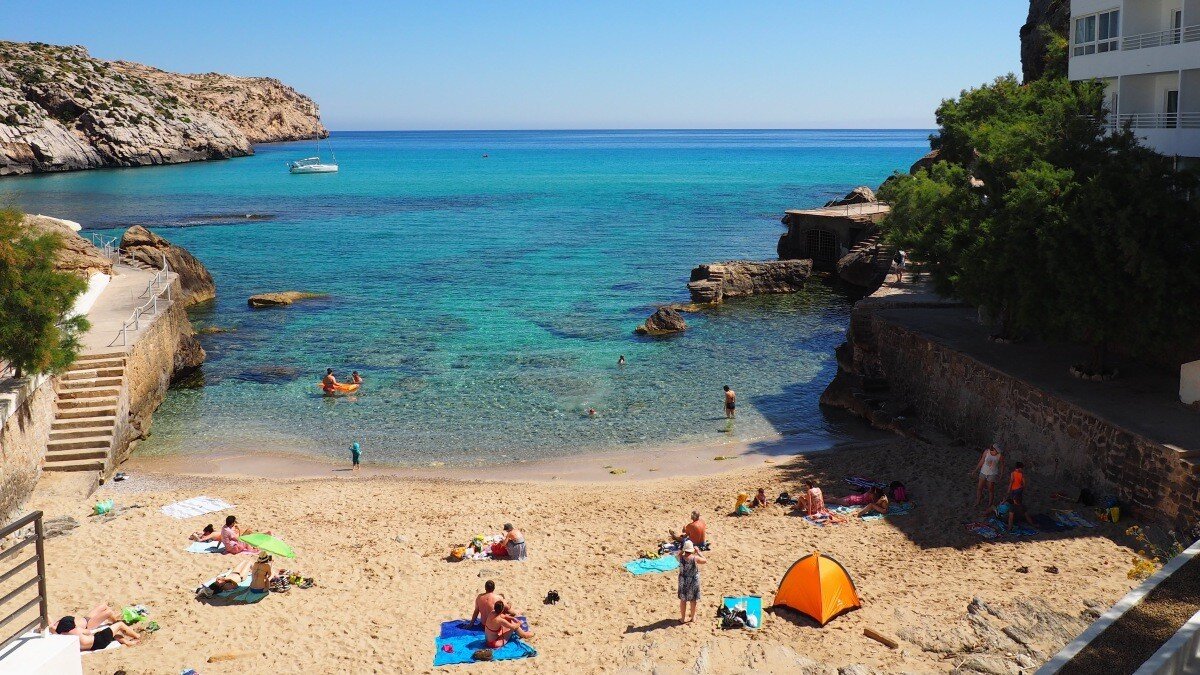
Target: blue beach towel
[(205, 547), (646, 566), (1047, 524), (240, 594), (893, 510), (754, 606), (464, 638)]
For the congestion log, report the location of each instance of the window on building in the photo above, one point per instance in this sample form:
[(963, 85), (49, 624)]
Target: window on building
[(1171, 108), (1176, 25), (1097, 33)]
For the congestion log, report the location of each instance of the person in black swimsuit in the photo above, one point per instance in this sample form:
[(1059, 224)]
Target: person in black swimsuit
[(98, 639)]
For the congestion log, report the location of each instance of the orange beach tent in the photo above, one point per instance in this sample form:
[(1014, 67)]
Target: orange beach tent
[(818, 586)]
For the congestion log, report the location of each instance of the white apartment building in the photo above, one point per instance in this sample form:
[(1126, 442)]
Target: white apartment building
[(1148, 54)]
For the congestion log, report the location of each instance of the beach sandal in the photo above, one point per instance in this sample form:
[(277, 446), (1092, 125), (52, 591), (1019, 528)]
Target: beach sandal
[(279, 585), (1051, 569), (306, 582), (1023, 569)]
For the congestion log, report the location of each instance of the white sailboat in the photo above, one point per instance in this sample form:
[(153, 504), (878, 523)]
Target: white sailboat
[(314, 164)]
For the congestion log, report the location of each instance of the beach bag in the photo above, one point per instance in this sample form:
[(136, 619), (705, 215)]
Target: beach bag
[(898, 493), (103, 507), (458, 552), (482, 655)]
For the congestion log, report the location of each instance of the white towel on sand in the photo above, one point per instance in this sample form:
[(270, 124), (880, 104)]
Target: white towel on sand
[(196, 506)]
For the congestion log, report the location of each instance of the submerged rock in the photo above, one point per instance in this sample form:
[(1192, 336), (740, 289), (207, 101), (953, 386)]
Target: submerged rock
[(281, 298), (664, 321), (150, 249)]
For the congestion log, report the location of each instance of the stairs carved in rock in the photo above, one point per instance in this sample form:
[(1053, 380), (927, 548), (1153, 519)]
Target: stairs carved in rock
[(81, 438)]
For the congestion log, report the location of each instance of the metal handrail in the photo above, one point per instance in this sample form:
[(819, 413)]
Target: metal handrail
[(1160, 38), (1185, 120), (154, 289), (42, 621)]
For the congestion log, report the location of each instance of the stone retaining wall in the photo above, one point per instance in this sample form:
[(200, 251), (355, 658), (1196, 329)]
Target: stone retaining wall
[(23, 438), (159, 352), (1061, 443)]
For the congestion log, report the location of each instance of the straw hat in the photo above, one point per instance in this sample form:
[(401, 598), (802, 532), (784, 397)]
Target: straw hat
[(689, 547)]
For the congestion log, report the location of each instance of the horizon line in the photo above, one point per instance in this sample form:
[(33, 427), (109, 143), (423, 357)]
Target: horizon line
[(435, 131)]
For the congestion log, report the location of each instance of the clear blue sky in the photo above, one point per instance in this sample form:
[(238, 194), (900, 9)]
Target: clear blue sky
[(533, 64)]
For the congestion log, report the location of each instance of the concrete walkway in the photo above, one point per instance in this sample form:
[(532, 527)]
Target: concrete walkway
[(124, 294)]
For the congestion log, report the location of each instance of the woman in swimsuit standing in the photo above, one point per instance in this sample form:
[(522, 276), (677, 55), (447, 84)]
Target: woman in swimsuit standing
[(989, 467)]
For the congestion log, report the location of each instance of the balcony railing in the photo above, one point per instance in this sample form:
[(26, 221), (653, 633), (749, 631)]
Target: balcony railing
[(1184, 120), (13, 565), (1171, 36)]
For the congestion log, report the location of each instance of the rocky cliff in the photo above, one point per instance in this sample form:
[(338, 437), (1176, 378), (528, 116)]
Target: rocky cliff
[(77, 255), (62, 110), (1037, 55)]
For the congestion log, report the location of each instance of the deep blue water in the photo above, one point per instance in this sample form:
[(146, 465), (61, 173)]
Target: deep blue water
[(486, 300)]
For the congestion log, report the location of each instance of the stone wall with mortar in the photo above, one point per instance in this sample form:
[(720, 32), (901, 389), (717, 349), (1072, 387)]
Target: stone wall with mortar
[(149, 367), (1060, 442), (23, 439)]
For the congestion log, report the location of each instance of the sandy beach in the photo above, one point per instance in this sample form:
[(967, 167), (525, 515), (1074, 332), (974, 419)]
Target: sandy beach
[(377, 546)]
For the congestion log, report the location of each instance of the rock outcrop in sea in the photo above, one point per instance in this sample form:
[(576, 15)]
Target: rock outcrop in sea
[(63, 110), (714, 282), (280, 298), (150, 249), (664, 321)]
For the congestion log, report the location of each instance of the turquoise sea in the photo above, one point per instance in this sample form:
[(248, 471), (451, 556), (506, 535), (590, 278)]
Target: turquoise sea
[(485, 283)]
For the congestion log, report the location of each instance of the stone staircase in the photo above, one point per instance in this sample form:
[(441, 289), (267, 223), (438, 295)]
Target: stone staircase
[(81, 437)]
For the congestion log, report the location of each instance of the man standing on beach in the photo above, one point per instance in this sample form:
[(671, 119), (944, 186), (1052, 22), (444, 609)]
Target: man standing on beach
[(730, 403)]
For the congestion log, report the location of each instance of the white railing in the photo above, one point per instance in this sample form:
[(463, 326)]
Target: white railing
[(154, 288), (1182, 120), (1161, 38)]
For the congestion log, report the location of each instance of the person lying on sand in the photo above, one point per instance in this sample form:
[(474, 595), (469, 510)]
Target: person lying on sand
[(878, 503), (100, 615), (485, 603), (228, 581), (813, 504), (693, 531), (500, 627), (209, 533), (94, 640)]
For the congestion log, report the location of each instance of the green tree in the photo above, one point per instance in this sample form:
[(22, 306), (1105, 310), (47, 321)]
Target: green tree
[(35, 335), (1051, 222)]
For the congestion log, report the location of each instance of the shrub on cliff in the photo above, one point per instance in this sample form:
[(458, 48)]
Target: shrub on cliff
[(35, 336), (1054, 224)]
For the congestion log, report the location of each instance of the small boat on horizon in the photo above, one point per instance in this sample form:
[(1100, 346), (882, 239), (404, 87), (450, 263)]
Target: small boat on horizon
[(314, 164)]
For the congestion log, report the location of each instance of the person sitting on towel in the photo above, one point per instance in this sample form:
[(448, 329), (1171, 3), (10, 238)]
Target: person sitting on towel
[(877, 503), (500, 627), (1008, 511), (486, 601), (693, 531), (96, 639)]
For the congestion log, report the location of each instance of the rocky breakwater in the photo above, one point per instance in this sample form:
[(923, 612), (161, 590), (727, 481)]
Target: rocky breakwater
[(63, 110), (281, 298), (714, 282), (151, 250)]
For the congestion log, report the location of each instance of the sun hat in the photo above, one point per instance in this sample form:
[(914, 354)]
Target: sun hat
[(689, 547), (264, 557)]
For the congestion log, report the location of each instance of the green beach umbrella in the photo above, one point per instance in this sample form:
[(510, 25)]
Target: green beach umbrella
[(265, 542)]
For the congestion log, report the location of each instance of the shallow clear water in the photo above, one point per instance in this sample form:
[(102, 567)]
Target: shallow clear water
[(486, 300)]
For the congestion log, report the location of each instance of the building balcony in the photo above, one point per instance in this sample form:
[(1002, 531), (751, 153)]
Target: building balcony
[(1162, 38), (1182, 120)]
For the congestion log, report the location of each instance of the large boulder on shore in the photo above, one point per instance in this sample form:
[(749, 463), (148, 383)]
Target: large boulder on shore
[(664, 321), (859, 195), (76, 255), (149, 249), (280, 298)]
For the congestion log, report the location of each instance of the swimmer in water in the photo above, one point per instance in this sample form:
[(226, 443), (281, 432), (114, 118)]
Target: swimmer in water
[(356, 378), (621, 361)]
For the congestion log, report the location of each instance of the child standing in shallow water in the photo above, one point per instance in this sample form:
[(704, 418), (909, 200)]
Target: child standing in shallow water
[(355, 453)]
